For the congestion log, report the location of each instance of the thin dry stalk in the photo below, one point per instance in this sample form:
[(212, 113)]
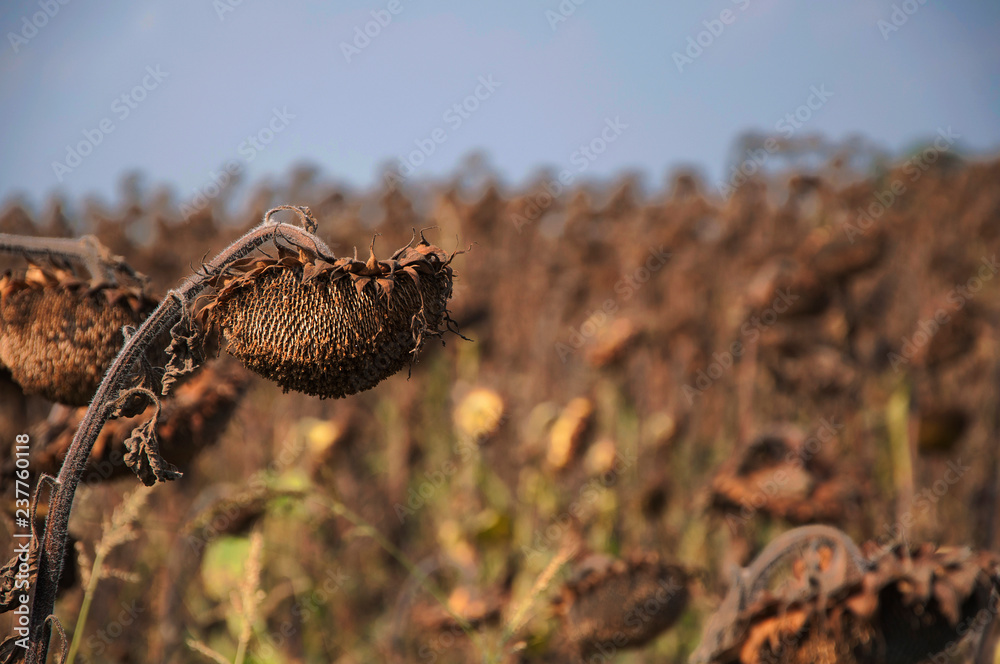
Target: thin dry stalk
[(203, 649), (116, 531), (118, 382), (898, 421), (520, 615), (250, 595)]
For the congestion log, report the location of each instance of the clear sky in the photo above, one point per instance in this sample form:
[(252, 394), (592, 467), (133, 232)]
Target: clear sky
[(176, 89)]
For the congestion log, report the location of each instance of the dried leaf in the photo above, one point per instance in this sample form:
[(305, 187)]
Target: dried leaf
[(312, 270), (143, 448), (11, 652), (129, 404), (12, 575), (412, 271), (359, 285), (25, 552), (385, 287), (186, 351), (54, 622), (948, 601)]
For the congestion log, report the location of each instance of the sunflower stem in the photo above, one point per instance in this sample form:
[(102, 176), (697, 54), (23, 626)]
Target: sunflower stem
[(164, 317), (100, 263)]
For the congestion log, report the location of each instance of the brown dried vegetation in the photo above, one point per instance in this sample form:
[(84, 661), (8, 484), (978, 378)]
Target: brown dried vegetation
[(780, 474), (192, 419), (678, 420), (619, 604), (907, 606)]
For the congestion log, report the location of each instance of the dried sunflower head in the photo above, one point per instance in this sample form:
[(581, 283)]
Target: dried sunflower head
[(331, 327), (58, 334), (193, 419), (617, 604), (782, 474), (901, 606)]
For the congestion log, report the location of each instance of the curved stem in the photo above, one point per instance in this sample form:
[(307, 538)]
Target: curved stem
[(61, 504), (98, 260)]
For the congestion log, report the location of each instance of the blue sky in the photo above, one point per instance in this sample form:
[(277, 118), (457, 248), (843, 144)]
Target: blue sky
[(277, 71)]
